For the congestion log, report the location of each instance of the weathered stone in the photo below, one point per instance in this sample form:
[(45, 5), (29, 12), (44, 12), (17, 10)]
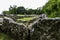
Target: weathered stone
[(46, 29), (16, 30), (41, 29)]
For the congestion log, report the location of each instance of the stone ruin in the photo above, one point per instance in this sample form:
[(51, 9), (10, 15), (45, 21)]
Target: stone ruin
[(40, 29)]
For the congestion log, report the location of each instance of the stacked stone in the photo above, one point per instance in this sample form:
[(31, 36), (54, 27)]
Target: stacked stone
[(46, 29), (41, 29), (16, 30)]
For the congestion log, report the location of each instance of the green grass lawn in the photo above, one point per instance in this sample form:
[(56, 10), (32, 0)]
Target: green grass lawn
[(20, 15), (26, 19), (5, 37)]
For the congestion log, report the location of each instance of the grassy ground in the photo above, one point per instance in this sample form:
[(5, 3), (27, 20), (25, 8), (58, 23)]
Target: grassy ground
[(5, 37), (27, 19), (20, 15)]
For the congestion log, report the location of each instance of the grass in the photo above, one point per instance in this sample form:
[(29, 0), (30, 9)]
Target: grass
[(26, 19), (20, 15), (5, 37)]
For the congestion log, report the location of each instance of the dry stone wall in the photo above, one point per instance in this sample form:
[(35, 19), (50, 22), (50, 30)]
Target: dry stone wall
[(46, 29), (16, 30), (41, 29)]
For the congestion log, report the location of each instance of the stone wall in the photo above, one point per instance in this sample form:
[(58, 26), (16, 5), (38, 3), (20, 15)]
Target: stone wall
[(46, 29), (16, 30), (41, 29)]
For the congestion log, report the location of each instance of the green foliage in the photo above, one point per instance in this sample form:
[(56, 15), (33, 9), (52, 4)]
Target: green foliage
[(5, 12), (12, 10), (21, 10), (52, 8)]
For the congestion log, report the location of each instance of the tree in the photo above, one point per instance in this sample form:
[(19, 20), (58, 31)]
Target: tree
[(5, 12), (30, 11), (13, 10), (21, 10), (52, 8)]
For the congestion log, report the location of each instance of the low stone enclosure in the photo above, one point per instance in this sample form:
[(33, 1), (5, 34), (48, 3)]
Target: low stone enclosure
[(41, 29)]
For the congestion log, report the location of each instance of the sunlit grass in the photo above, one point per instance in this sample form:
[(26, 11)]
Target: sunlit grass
[(20, 15), (27, 19)]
